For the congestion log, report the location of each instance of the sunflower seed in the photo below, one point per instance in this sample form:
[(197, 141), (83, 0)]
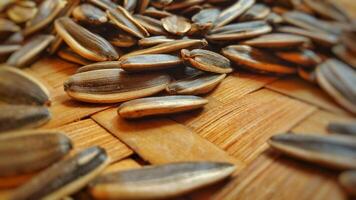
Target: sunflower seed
[(47, 12), (342, 128), (154, 40), (100, 65), (195, 85), (304, 57), (151, 106), (176, 25), (349, 39), (14, 117), (69, 55), (233, 12), (338, 80), (307, 74), (199, 30), (7, 49), (162, 181), (17, 87), (7, 28), (274, 19), (345, 55), (143, 4), (126, 22), (113, 85), (207, 61), (347, 180), (256, 12), (22, 11), (30, 51), (149, 62), (206, 16), (185, 72), (15, 38), (152, 25), (64, 177), (331, 151), (130, 5), (87, 44), (161, 3), (327, 9), (87, 13), (121, 39), (278, 40), (104, 4), (29, 151), (257, 60), (180, 5)]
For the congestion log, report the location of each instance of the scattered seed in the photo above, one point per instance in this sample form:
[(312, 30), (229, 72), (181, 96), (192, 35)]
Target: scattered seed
[(176, 25), (100, 65), (278, 40), (256, 12), (149, 62), (233, 12), (304, 57), (89, 14), (152, 25), (154, 40), (327, 9)]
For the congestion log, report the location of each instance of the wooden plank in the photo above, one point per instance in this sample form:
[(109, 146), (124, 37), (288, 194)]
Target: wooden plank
[(87, 133), (160, 140), (242, 127), (278, 177), (302, 90)]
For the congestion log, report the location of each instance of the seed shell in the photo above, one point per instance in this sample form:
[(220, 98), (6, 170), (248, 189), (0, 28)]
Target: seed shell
[(345, 55), (327, 9), (100, 65), (304, 57), (176, 25), (152, 25), (208, 15), (161, 181), (149, 62), (342, 128), (89, 14), (22, 11), (69, 55), (256, 12), (154, 40), (7, 27), (277, 40), (153, 12), (233, 12)]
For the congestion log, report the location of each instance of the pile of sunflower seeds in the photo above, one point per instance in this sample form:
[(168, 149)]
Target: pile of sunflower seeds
[(130, 50)]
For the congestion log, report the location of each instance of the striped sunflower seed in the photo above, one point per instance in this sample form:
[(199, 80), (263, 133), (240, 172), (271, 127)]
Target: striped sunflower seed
[(152, 25), (307, 74), (30, 51), (130, 5), (176, 25), (14, 117), (207, 61), (100, 65), (121, 39), (327, 9), (7, 28), (162, 181), (256, 12), (208, 15), (347, 180), (87, 44), (234, 11), (125, 21), (17, 87), (330, 151), (87, 13), (149, 62), (345, 55), (154, 40), (64, 177), (161, 3), (278, 40), (303, 57), (342, 128), (180, 5), (29, 151), (199, 30), (69, 55), (104, 4), (114, 85), (22, 11), (339, 81), (257, 60), (7, 49), (15, 38), (152, 106), (155, 13), (195, 85), (47, 12)]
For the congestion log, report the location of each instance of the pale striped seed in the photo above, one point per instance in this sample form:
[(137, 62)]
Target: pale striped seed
[(69, 55), (195, 85), (14, 117), (151, 106), (18, 87), (85, 43), (176, 25), (154, 40), (162, 181), (339, 81), (87, 13), (7, 49), (348, 128), (114, 85), (125, 21), (329, 151), (152, 25), (47, 12), (7, 27), (64, 177), (257, 60), (234, 11), (149, 62), (274, 19), (161, 3), (207, 60), (304, 57), (153, 12), (30, 51), (278, 40), (345, 55), (256, 12), (327, 9), (208, 15), (100, 65), (22, 11), (347, 180), (28, 151)]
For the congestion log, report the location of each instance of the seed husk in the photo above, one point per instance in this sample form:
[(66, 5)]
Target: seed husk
[(87, 13), (153, 12), (15, 38), (345, 55), (100, 65), (152, 25), (154, 40), (64, 177), (208, 15), (22, 11), (15, 117), (161, 181), (125, 21), (256, 12), (199, 30), (69, 55), (114, 85), (303, 57), (143, 4), (331, 151), (327, 9), (18, 87), (180, 5), (348, 39), (342, 128), (169, 47), (207, 61), (149, 62), (121, 39), (195, 85), (47, 12), (130, 5), (278, 40), (234, 11), (7, 27), (176, 25), (161, 3), (257, 60), (339, 81), (347, 180), (274, 19), (151, 106), (85, 43), (104, 4), (30, 51), (307, 74), (238, 31), (29, 151), (7, 49)]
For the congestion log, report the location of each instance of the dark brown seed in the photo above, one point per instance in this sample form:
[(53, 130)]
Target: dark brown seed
[(69, 55), (121, 39), (256, 12), (29, 151), (100, 65), (233, 12), (347, 180), (278, 40), (149, 62), (64, 177), (342, 128), (176, 25), (87, 13)]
